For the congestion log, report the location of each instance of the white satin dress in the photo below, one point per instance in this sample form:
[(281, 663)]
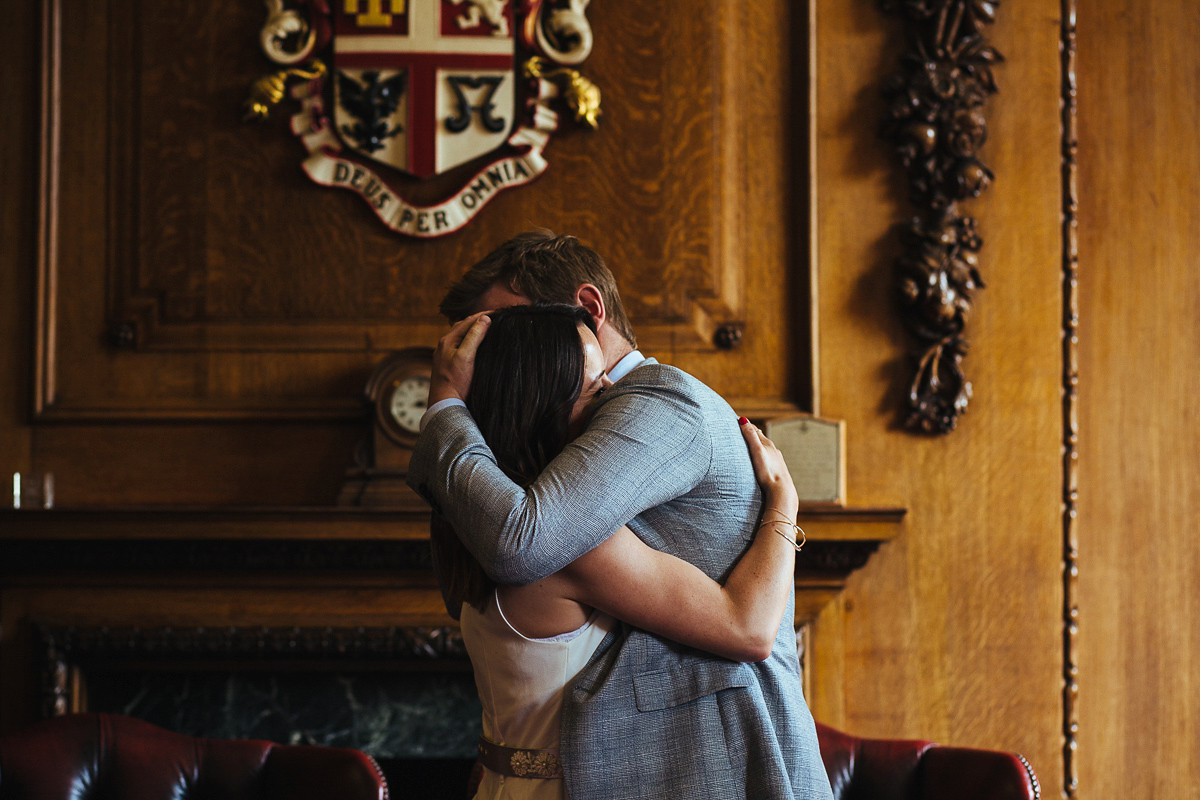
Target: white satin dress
[(521, 682)]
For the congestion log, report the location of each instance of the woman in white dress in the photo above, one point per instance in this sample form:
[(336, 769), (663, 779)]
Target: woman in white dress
[(538, 375)]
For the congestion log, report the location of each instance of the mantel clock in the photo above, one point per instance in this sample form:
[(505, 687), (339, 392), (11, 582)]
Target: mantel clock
[(397, 394)]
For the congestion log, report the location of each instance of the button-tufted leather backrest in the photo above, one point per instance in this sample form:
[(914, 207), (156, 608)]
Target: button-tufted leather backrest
[(870, 769), (901, 769), (111, 757)]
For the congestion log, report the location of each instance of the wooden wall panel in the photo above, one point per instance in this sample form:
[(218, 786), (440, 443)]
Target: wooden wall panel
[(279, 464), (211, 246), (1139, 232), (246, 296), (261, 296), (953, 631), (19, 92)]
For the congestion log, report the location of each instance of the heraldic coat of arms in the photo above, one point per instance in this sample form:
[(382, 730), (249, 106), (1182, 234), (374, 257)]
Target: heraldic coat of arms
[(418, 88)]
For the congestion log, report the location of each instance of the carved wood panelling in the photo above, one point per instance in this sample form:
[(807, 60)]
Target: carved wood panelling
[(935, 119), (66, 651), (822, 558), (1070, 344), (189, 269)]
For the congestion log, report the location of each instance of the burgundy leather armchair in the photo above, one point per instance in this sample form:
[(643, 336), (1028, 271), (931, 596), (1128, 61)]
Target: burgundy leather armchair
[(111, 757), (78, 757), (897, 769)]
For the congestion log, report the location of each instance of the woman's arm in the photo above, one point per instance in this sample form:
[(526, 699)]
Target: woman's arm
[(665, 595)]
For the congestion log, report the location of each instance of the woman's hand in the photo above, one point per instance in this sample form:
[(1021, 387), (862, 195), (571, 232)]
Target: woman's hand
[(741, 619), (770, 469)]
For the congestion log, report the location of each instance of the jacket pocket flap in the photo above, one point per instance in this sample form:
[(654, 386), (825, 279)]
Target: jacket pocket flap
[(655, 691)]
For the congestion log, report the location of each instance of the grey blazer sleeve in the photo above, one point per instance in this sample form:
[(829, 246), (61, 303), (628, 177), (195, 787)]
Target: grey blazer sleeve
[(644, 446)]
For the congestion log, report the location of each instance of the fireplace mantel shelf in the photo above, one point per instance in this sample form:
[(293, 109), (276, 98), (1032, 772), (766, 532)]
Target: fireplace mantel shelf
[(821, 523), (243, 538)]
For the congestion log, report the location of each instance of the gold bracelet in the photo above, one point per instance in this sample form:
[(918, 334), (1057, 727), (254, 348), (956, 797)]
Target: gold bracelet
[(781, 518), (800, 539)]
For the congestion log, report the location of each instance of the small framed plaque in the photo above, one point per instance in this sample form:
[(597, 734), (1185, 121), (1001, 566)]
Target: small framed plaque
[(815, 451)]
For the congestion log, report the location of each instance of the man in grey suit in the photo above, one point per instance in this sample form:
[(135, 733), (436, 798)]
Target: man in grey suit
[(647, 718)]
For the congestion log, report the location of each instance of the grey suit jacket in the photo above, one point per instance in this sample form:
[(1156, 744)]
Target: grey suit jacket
[(647, 718)]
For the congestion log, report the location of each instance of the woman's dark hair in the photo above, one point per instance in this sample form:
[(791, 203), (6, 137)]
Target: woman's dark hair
[(528, 375)]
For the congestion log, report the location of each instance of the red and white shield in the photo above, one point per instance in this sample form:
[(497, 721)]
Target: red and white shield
[(424, 85)]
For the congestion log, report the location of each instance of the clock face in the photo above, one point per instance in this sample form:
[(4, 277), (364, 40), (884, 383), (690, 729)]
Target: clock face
[(399, 392), (409, 397)]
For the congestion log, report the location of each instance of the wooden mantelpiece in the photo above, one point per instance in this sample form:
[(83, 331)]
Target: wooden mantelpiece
[(839, 539), (237, 571), (214, 523), (346, 540)]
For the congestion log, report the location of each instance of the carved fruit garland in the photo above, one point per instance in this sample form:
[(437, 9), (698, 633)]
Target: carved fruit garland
[(935, 120)]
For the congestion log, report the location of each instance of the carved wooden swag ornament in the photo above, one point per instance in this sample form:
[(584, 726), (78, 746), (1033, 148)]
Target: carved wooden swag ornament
[(423, 87), (935, 120)]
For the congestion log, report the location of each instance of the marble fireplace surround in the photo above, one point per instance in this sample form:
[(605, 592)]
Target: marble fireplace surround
[(395, 692), (403, 695)]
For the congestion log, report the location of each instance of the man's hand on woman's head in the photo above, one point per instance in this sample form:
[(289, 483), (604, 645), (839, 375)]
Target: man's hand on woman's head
[(454, 358)]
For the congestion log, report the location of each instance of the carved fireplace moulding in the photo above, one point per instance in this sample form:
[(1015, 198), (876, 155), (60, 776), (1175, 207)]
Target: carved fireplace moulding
[(249, 539), (826, 558), (170, 272), (936, 123), (65, 651)]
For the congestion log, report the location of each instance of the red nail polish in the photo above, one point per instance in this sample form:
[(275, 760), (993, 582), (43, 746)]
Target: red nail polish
[(743, 421)]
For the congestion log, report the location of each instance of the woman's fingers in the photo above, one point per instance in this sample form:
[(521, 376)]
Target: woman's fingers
[(757, 444), (768, 462), (770, 469)]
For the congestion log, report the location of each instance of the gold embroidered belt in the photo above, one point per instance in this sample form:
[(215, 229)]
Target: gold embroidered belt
[(519, 762)]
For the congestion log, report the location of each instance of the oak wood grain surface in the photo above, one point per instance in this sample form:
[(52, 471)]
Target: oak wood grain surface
[(252, 304), (951, 632), (250, 291), (953, 629), (1139, 245)]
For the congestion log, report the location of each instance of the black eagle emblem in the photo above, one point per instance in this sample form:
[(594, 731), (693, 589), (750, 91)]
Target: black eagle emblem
[(371, 103)]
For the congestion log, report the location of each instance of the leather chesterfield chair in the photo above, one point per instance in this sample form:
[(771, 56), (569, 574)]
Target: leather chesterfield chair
[(898, 769), (859, 769), (111, 757)]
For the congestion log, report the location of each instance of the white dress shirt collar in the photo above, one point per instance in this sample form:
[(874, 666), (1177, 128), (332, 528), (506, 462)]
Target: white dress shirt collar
[(623, 367)]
